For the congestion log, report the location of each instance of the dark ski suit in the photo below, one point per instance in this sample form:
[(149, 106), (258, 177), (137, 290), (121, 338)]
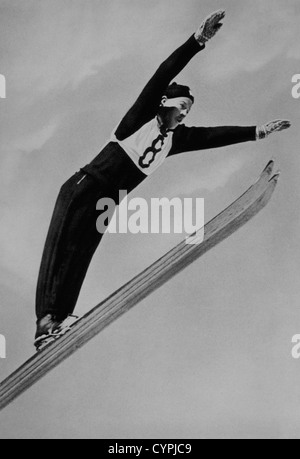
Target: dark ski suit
[(73, 238)]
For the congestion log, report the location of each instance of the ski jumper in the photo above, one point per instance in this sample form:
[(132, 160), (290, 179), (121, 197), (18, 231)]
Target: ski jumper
[(136, 149)]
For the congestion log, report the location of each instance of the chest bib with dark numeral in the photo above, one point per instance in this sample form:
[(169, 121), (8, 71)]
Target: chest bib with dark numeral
[(150, 153)]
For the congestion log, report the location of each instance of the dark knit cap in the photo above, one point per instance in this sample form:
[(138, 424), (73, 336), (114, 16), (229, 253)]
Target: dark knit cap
[(178, 90)]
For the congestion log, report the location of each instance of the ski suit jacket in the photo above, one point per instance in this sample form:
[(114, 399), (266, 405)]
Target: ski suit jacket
[(138, 146)]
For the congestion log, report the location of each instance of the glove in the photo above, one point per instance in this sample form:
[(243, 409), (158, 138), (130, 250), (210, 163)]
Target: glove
[(273, 126), (209, 27)]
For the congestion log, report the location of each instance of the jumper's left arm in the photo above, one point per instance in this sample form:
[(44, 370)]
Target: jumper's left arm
[(200, 138)]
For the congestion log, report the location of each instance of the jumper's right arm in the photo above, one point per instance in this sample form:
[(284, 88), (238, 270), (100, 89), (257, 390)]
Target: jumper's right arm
[(147, 104)]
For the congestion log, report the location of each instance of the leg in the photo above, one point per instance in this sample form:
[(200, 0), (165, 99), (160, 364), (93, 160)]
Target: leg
[(71, 243)]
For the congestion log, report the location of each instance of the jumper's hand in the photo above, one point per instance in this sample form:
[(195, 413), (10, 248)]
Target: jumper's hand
[(209, 27), (273, 126)]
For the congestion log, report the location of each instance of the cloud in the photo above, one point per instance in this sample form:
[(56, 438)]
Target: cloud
[(18, 236), (253, 37), (61, 46), (215, 177), (13, 150), (219, 176), (35, 140)]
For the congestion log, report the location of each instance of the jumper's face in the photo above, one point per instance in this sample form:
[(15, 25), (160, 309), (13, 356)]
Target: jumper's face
[(175, 110)]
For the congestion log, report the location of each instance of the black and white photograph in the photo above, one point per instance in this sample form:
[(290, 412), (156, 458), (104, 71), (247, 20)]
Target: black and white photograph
[(149, 209)]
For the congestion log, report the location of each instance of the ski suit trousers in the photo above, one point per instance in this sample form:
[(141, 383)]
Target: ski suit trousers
[(73, 236)]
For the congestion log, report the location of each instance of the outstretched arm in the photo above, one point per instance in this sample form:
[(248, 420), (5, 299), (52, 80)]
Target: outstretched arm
[(147, 104), (200, 138)]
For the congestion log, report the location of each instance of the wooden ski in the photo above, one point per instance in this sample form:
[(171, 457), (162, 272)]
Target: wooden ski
[(181, 256)]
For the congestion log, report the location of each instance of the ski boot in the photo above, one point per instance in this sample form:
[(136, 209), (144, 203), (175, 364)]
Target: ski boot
[(45, 332), (49, 329)]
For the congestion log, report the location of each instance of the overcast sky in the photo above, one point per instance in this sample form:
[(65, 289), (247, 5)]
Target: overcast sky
[(209, 354)]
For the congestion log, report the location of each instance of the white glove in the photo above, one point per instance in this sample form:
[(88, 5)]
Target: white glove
[(273, 126), (209, 27)]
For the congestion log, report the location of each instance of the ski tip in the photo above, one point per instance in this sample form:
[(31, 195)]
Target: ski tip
[(275, 177), (269, 167), (270, 189), (267, 172)]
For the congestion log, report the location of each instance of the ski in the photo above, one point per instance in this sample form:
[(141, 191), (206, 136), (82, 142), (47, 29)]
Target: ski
[(218, 229)]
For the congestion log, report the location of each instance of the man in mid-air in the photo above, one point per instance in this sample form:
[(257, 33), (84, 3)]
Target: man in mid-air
[(151, 131)]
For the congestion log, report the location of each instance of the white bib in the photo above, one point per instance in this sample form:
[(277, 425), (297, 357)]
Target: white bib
[(147, 147)]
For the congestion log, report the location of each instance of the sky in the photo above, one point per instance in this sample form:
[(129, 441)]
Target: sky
[(209, 354)]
